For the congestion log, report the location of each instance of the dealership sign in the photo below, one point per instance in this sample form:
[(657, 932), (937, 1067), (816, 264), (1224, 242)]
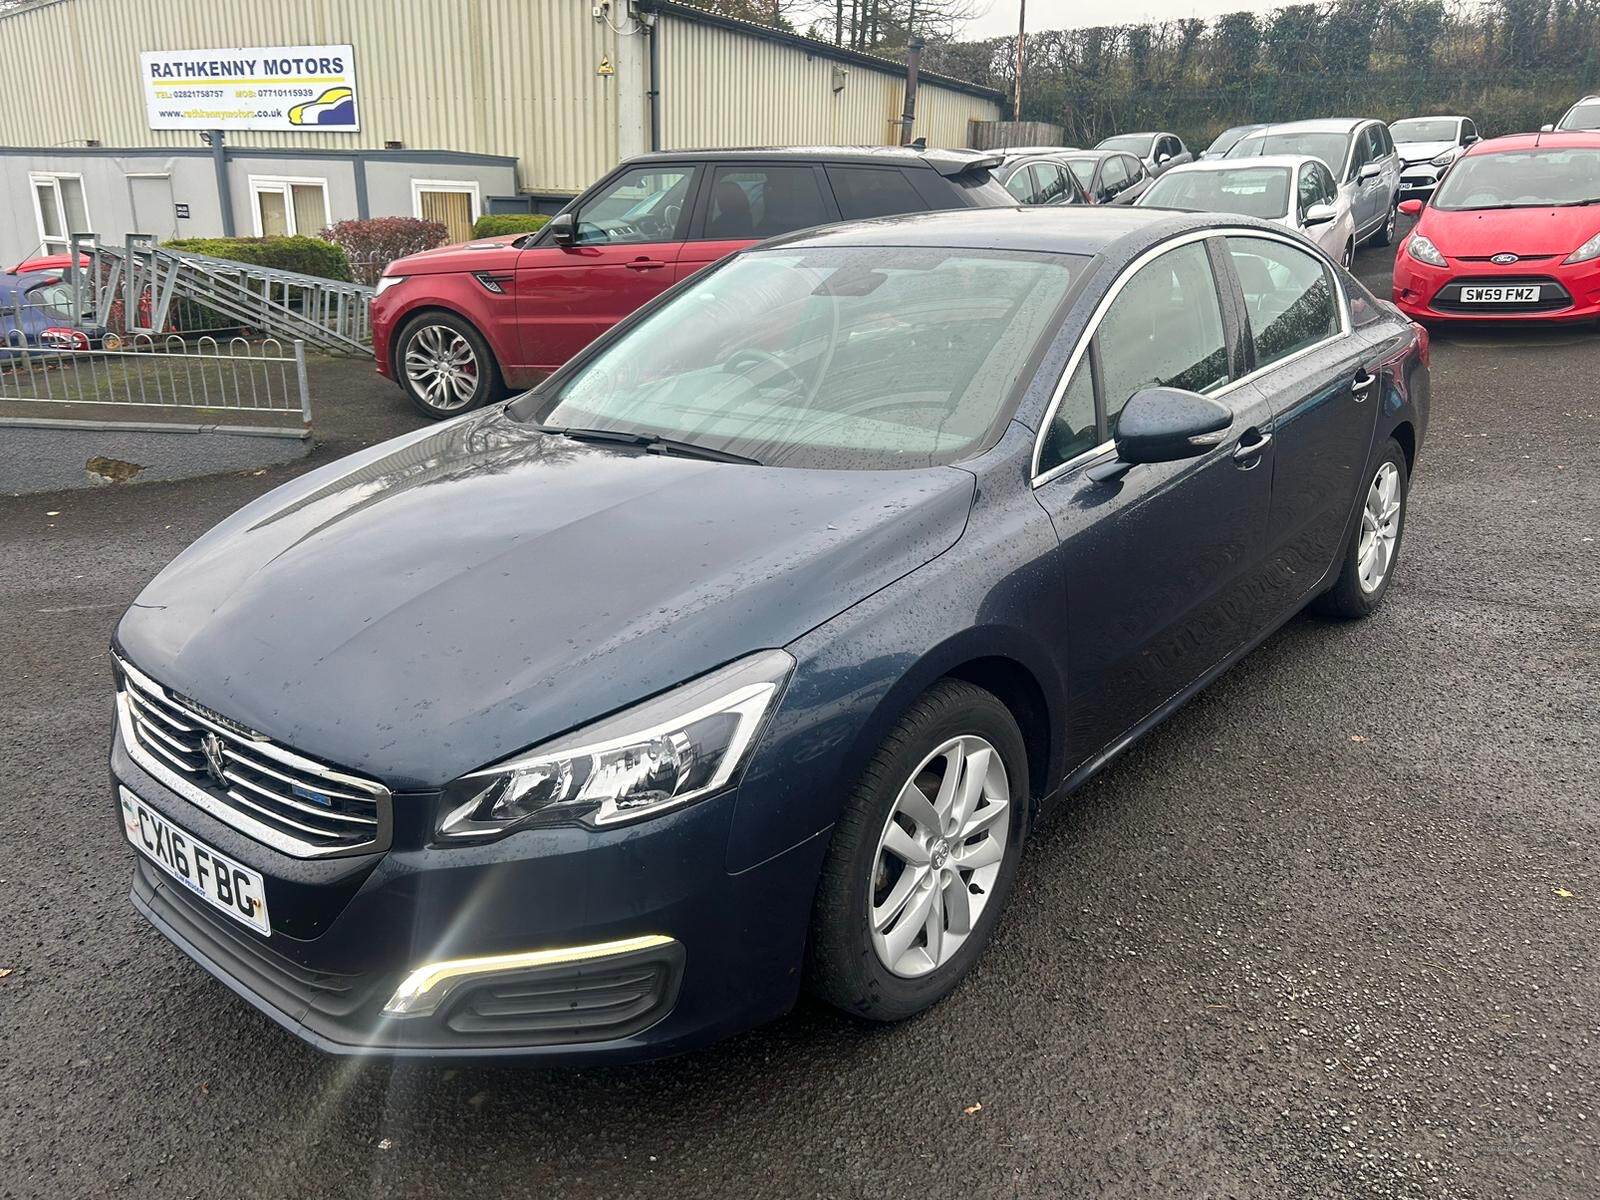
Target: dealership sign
[(272, 87)]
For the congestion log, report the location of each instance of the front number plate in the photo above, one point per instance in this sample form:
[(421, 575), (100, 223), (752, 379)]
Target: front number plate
[(1500, 295), (215, 878)]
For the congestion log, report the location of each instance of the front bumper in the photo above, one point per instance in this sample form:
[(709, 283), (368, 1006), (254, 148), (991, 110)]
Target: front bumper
[(724, 954), (1420, 180), (1428, 293)]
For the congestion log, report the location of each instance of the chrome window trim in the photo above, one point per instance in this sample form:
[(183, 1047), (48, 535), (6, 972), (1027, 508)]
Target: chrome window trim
[(233, 817), (1089, 330)]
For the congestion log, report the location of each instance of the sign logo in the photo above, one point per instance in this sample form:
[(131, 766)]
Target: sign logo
[(211, 746), (1503, 260), (256, 87)]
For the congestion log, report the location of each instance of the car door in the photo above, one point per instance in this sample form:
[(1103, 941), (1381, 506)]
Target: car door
[(627, 235), (745, 203), (1317, 375), (1370, 193), (1112, 178), (1157, 562)]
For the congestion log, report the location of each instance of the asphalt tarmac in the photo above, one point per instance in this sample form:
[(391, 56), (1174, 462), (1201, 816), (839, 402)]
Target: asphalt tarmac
[(1333, 930)]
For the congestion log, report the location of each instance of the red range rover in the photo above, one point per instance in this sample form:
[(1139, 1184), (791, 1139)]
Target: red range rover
[(459, 326)]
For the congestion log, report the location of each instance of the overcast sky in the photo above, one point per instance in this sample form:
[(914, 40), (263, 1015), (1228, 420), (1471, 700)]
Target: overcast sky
[(1001, 19)]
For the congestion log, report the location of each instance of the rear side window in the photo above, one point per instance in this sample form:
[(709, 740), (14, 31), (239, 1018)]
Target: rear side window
[(762, 202), (1054, 185), (1114, 174), (873, 192), (1289, 296)]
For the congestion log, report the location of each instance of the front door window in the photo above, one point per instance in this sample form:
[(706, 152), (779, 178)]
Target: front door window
[(640, 206)]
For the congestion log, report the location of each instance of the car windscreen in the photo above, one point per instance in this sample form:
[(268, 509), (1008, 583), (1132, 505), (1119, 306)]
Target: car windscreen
[(1583, 116), (1423, 129), (1227, 140), (854, 357), (1329, 147), (1251, 191), (1539, 178), (1132, 143)]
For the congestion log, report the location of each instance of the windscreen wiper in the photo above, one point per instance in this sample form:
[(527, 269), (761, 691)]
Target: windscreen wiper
[(651, 444)]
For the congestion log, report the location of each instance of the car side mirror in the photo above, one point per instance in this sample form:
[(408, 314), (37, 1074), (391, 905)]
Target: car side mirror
[(1319, 214), (1368, 171), (1547, 129), (1469, 139), (1411, 208), (1162, 424), (1163, 159), (563, 229)]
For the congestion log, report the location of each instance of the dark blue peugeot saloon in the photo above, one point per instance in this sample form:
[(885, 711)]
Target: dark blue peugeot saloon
[(738, 656)]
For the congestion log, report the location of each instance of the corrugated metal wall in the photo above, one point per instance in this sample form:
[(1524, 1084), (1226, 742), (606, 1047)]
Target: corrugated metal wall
[(488, 76), (721, 88), (510, 77)]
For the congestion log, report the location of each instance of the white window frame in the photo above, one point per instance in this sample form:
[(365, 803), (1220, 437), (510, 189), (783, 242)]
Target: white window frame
[(282, 184), (468, 186), (54, 177)]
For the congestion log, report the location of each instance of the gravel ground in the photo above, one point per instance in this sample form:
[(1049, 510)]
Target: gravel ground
[(1331, 931)]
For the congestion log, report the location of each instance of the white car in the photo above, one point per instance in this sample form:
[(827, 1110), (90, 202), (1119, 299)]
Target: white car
[(1584, 115), (1359, 152), (1295, 190), (1159, 152), (1427, 146)]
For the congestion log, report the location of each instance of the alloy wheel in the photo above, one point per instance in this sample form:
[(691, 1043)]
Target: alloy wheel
[(1389, 226), (1349, 255), (442, 367), (1380, 528), (939, 855)]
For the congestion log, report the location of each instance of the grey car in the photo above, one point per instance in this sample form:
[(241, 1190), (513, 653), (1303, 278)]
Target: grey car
[(1158, 151), (1360, 153), (1427, 146)]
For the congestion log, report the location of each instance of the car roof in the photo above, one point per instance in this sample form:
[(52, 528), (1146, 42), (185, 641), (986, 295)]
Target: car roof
[(1053, 229), (1097, 153), (1290, 161), (13, 284), (1429, 117), (1320, 125), (946, 162), (1582, 139), (1149, 133)]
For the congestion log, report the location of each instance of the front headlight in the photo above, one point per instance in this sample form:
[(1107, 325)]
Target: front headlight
[(682, 745), (1590, 249), (387, 282), (1421, 249), (1445, 159)]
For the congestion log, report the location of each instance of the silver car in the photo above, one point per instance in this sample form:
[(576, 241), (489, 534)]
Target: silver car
[(1158, 151), (1358, 151), (1295, 190), (1427, 146)]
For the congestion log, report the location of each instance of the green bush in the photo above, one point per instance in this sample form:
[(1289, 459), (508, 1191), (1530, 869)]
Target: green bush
[(305, 255), (499, 224)]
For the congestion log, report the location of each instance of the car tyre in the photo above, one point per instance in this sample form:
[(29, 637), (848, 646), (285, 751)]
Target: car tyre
[(1373, 552), (444, 366), (876, 904), (1385, 236)]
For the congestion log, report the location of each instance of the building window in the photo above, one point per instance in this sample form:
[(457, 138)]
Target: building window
[(286, 207), (454, 204), (59, 208)]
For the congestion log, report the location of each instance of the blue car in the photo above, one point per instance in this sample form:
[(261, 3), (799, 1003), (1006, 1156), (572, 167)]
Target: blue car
[(739, 655), (35, 314)]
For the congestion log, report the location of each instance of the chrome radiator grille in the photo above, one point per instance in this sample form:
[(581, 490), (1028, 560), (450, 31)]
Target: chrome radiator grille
[(274, 795)]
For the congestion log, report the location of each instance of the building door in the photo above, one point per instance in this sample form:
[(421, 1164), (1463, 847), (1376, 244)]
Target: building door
[(453, 205), (153, 212)]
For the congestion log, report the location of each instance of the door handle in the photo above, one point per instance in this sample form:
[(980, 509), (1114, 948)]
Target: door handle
[(644, 264), (1360, 384), (1248, 454)]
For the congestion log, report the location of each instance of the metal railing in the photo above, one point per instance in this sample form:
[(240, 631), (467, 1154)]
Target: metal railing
[(230, 381), (152, 284)]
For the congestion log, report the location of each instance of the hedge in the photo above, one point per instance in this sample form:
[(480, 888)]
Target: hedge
[(499, 224), (306, 255)]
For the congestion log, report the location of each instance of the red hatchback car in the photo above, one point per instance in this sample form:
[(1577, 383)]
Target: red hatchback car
[(1512, 233), (458, 326)]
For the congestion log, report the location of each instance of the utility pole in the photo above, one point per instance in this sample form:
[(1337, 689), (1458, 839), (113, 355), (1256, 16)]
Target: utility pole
[(908, 115), (1022, 39)]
